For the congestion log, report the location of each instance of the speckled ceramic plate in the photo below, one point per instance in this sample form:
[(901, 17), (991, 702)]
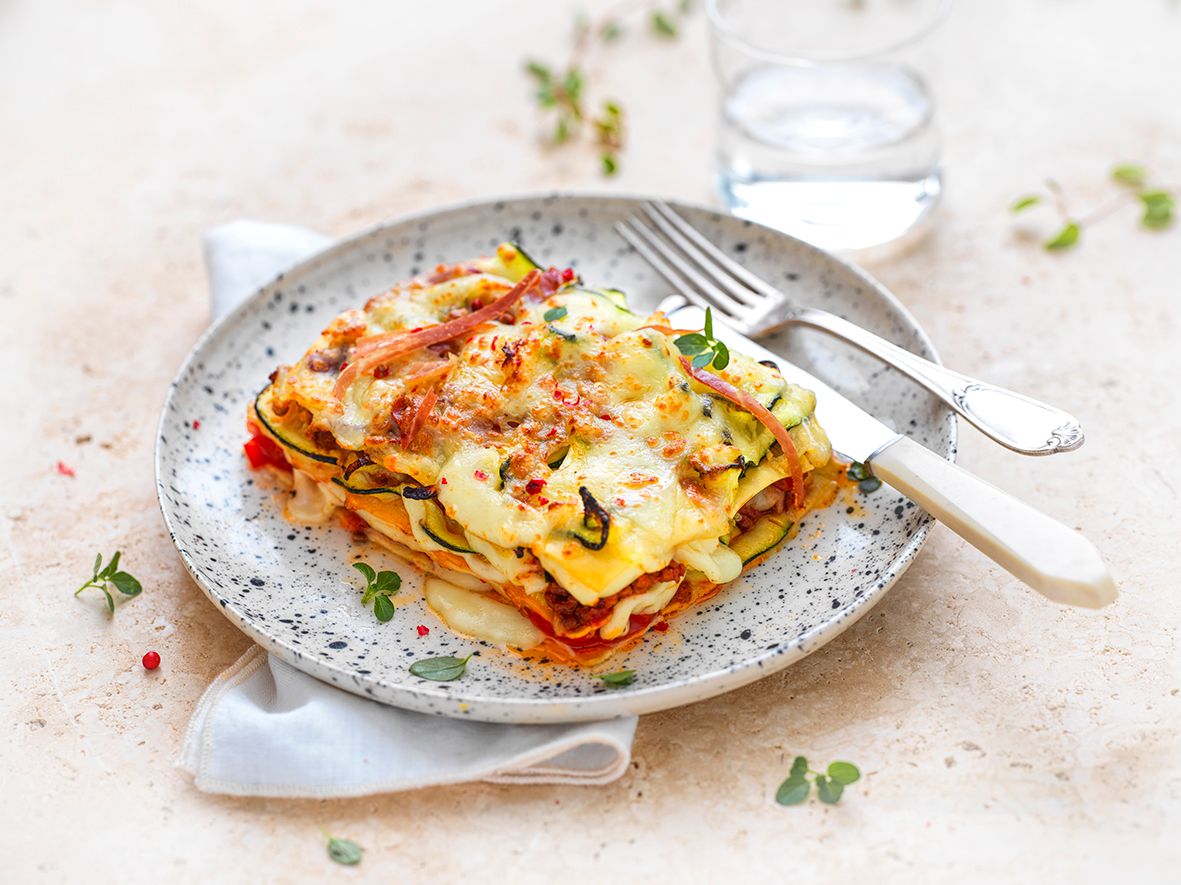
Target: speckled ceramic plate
[(291, 589)]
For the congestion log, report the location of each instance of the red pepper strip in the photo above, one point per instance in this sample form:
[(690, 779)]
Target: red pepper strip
[(262, 452), (420, 415), (667, 331), (744, 400), (377, 349)]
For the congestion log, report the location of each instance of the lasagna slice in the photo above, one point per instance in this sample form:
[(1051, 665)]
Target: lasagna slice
[(572, 477)]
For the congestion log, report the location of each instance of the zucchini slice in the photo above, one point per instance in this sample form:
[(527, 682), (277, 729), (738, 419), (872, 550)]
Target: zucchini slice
[(761, 537), (434, 523), (293, 439), (617, 299), (358, 490), (510, 261)]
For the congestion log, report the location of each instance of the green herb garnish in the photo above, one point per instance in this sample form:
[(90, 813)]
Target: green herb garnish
[(344, 851), (618, 679), (830, 784), (109, 575), (560, 90), (662, 24), (444, 669), (702, 348), (554, 314), (864, 477), (1158, 205), (1158, 209), (379, 587), (1131, 174), (1066, 237)]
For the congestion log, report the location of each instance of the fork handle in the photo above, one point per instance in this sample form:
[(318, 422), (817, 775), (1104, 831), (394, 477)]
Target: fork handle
[(1054, 560), (1019, 422)]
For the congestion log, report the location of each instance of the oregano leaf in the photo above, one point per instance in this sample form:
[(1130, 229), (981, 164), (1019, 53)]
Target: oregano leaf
[(383, 609), (1132, 174), (344, 851), (126, 584), (828, 790), (662, 24), (844, 773), (618, 679), (441, 669), (1065, 238), (793, 791)]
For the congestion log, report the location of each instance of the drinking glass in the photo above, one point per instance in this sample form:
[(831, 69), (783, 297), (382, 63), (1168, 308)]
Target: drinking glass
[(827, 119)]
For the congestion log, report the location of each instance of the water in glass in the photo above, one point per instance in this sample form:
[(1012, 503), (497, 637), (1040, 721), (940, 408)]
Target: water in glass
[(844, 155)]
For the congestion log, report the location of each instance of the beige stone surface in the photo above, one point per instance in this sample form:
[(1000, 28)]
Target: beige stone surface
[(1002, 738)]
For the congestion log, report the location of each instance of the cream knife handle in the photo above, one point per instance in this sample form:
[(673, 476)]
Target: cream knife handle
[(1053, 559)]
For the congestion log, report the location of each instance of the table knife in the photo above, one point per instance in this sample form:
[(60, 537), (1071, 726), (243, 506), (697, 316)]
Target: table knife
[(1050, 557)]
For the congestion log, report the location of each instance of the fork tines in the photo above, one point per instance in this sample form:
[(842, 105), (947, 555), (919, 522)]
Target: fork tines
[(698, 269)]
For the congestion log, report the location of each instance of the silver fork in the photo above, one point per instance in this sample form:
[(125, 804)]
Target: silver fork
[(702, 273)]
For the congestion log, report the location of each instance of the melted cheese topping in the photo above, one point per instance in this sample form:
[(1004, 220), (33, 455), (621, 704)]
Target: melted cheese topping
[(480, 615), (534, 410)]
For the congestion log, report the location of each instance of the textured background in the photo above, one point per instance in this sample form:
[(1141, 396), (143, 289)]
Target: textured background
[(999, 735)]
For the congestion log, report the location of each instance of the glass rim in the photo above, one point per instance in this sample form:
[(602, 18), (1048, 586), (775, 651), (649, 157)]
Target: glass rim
[(720, 26)]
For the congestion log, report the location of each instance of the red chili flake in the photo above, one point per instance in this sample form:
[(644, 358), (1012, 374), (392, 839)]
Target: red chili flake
[(619, 502), (196, 424), (422, 630), (151, 660), (381, 372), (543, 501), (419, 329), (534, 486), (481, 475), (443, 480), (553, 431), (64, 469), (344, 365), (567, 275), (662, 627), (604, 417)]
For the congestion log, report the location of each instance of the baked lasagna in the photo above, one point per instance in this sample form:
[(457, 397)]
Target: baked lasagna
[(571, 476)]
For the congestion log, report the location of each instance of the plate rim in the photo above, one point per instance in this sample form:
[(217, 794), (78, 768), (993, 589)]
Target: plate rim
[(544, 710)]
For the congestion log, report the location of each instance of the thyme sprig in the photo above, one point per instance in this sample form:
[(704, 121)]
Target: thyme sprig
[(560, 90), (830, 784), (1157, 204), (702, 348), (379, 587), (109, 575)]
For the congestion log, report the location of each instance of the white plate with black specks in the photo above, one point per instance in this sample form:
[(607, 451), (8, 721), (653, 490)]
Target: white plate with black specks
[(290, 588)]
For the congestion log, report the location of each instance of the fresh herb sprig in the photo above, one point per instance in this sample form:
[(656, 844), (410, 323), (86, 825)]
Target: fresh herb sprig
[(560, 90), (702, 348), (442, 669), (863, 476), (618, 679), (110, 576), (551, 316), (345, 852), (830, 784), (1158, 205), (379, 587)]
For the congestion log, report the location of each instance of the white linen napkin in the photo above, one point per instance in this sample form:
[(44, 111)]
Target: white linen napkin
[(264, 728)]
